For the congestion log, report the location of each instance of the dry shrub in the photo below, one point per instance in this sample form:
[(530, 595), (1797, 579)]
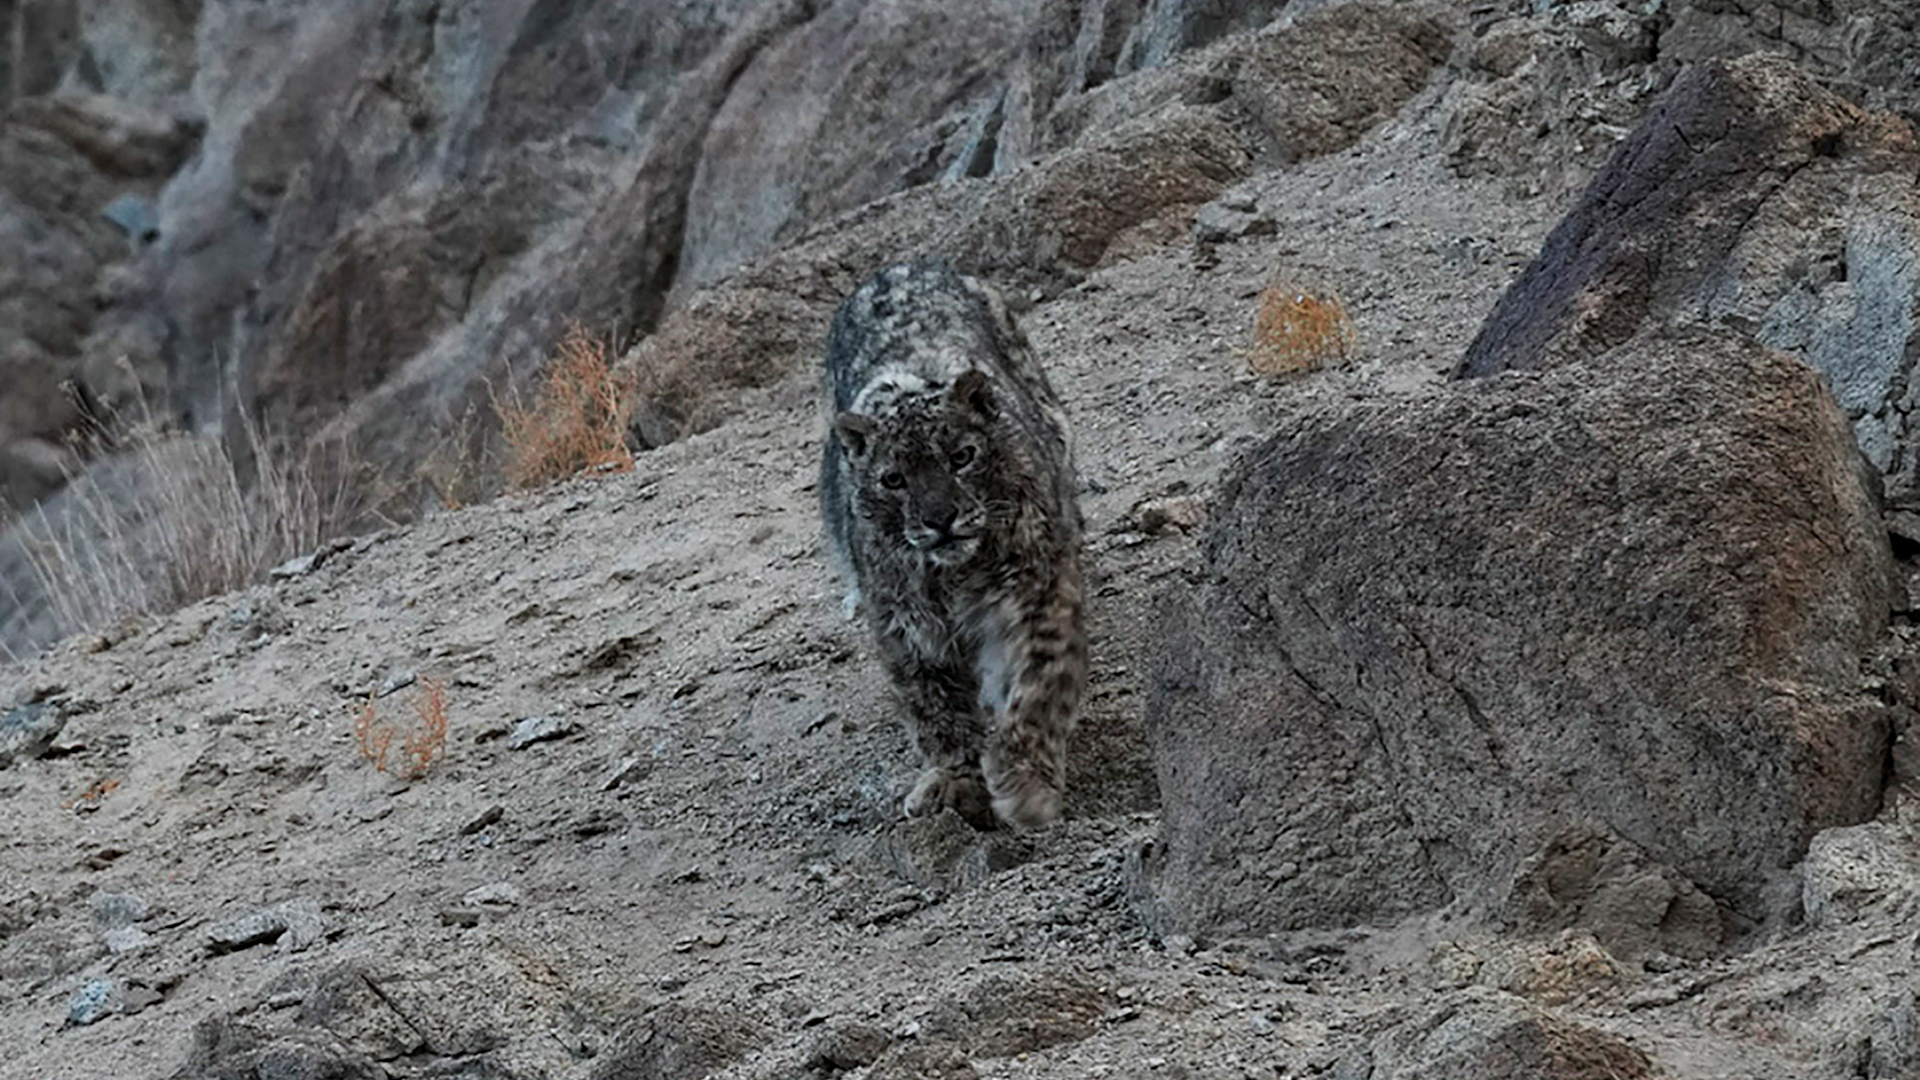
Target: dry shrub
[(577, 421), (420, 745), (164, 518), (94, 793), (1299, 329)]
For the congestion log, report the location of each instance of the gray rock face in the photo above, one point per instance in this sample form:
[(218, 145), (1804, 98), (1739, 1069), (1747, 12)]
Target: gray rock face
[(1434, 633), (1314, 84), (64, 160), (1166, 28), (382, 209), (1871, 48), (1893, 1040), (1544, 95), (1754, 199), (862, 101), (1608, 886), (1849, 870)]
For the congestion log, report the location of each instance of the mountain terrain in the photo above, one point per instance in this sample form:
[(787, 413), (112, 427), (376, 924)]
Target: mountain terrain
[(1524, 687)]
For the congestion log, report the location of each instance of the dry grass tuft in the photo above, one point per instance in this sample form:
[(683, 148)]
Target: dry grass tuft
[(1297, 329), (420, 745), (577, 421), (95, 792), (164, 518), (371, 736)]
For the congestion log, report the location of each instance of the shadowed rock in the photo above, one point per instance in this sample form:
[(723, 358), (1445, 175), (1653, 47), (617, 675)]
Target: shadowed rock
[(1431, 634)]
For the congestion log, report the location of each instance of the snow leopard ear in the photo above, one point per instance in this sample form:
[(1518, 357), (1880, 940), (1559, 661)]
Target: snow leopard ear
[(855, 431), (973, 391)]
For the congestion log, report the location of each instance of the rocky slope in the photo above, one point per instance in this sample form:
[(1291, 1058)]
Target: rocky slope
[(350, 219), (663, 840)]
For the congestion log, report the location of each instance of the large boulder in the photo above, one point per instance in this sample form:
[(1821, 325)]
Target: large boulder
[(1434, 634), (1479, 1034), (1754, 199)]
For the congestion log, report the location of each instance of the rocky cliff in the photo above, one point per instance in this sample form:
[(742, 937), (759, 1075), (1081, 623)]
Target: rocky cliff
[(1527, 692)]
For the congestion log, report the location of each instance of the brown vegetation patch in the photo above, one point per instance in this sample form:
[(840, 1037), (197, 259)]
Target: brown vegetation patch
[(577, 420)]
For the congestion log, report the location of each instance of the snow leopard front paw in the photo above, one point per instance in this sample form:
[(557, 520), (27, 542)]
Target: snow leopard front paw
[(965, 793)]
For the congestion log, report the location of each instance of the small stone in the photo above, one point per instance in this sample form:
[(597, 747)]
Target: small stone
[(135, 216), (293, 925), (112, 911), (533, 729), (395, 682), (138, 998), (494, 894), (294, 568), (460, 916), (1216, 223), (629, 769), (485, 818), (1238, 201), (92, 1002), (126, 939)]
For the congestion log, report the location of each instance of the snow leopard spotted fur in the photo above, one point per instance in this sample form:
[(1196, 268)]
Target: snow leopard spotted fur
[(947, 489)]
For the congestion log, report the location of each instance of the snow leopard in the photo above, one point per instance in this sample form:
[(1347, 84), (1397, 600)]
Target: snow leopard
[(949, 499)]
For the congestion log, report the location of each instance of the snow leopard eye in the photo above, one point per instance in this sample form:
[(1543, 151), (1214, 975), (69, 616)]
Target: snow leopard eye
[(962, 457), (892, 481)]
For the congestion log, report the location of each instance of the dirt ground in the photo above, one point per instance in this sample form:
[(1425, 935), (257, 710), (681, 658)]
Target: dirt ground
[(703, 868)]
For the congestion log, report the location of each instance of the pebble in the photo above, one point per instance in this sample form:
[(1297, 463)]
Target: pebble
[(293, 568), (533, 729), (485, 818), (293, 926), (91, 1003), (494, 894), (114, 911), (138, 997), (126, 939), (631, 768)]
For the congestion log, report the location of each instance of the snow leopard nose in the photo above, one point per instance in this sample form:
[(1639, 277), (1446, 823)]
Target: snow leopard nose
[(933, 526), (932, 531)]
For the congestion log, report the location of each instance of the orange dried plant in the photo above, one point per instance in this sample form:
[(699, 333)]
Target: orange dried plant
[(1298, 329), (578, 418), (96, 791), (427, 743), (420, 746), (371, 736)]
